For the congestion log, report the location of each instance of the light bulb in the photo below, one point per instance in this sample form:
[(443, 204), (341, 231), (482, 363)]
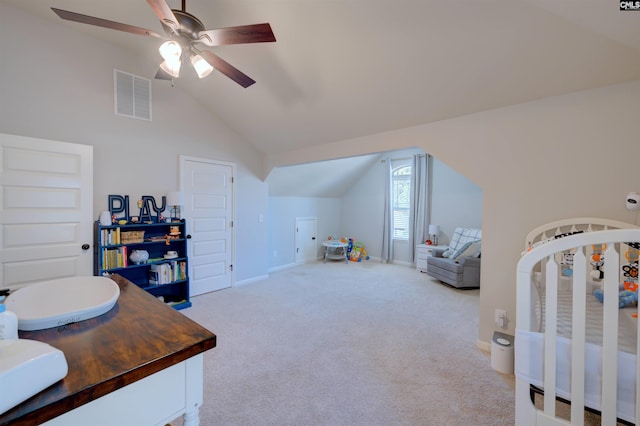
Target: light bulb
[(170, 50), (171, 67), (201, 66)]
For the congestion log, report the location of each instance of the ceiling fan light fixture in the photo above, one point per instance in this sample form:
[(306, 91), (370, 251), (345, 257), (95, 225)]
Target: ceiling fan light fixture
[(170, 51), (201, 66), (171, 67), (184, 31)]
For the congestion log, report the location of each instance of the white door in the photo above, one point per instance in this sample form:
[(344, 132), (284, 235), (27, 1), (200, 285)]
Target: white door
[(46, 205), (208, 194), (306, 248)]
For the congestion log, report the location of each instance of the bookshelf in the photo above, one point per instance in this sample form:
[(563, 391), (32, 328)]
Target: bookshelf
[(120, 249)]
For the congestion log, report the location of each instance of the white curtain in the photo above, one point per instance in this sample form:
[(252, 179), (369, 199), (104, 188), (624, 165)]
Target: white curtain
[(419, 217), (387, 229)]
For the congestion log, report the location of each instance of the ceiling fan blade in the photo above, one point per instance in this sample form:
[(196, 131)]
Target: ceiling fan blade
[(164, 13), (105, 23), (257, 33), (226, 68)]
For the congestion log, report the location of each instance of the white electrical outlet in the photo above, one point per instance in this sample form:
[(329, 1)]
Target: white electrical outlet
[(501, 318)]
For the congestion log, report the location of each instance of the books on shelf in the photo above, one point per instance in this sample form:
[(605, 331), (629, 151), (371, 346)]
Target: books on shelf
[(110, 237), (115, 257), (167, 273)]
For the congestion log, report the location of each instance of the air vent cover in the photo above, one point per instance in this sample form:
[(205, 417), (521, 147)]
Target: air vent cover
[(132, 95)]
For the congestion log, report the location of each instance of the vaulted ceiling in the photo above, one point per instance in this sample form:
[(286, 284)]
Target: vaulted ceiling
[(341, 69)]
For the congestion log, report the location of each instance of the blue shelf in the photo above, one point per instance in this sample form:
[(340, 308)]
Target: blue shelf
[(139, 273)]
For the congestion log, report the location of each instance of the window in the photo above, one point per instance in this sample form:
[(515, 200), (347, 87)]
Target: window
[(401, 201)]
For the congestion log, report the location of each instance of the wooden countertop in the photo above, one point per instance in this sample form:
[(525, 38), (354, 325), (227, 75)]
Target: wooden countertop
[(139, 336)]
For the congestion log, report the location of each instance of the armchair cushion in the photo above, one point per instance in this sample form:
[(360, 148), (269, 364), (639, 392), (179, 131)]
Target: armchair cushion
[(461, 240), (472, 250)]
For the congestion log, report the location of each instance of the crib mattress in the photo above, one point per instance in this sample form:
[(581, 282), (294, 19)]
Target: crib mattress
[(627, 325)]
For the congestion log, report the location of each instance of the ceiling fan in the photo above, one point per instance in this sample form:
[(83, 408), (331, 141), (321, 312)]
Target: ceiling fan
[(184, 31)]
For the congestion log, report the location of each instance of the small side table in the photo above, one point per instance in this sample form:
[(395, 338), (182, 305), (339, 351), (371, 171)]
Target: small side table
[(422, 252), (336, 250)]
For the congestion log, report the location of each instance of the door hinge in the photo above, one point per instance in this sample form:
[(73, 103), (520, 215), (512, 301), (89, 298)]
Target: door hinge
[(231, 224), (231, 268)]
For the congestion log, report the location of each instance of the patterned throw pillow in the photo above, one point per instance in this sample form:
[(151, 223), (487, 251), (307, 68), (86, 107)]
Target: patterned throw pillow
[(460, 250), (462, 236), (473, 250)]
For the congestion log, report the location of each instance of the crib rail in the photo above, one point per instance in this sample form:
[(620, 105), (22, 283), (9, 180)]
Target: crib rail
[(573, 225), (547, 255)]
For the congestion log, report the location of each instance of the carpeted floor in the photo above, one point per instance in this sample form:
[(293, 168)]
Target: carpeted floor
[(348, 344)]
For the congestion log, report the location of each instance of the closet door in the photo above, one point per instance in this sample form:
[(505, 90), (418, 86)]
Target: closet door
[(46, 210), (209, 193)]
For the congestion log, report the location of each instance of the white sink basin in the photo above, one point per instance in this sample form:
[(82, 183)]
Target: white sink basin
[(62, 301), (26, 368)]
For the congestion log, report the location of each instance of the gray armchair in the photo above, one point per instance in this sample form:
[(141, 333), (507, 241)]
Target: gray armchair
[(465, 273), (462, 268)]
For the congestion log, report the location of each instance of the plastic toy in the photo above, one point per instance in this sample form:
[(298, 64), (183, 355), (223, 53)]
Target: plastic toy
[(597, 261), (630, 270), (567, 263), (364, 254), (358, 252)]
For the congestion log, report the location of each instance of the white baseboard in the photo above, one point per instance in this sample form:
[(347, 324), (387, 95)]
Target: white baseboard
[(281, 267), (250, 280), (483, 346)]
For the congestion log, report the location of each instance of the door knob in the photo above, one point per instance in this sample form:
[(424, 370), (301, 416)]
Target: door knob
[(86, 246), (188, 236)]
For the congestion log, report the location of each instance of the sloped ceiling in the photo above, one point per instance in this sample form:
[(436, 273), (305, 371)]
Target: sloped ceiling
[(322, 179), (342, 69)]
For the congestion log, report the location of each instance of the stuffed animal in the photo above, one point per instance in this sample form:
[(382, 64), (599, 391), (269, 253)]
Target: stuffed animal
[(627, 296)]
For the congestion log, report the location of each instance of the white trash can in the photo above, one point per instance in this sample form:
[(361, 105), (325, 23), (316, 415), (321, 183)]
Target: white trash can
[(502, 352)]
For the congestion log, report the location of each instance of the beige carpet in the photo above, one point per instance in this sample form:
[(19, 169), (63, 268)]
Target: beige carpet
[(348, 344)]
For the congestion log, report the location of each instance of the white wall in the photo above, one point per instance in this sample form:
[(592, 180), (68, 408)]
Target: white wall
[(362, 209), (455, 201), (282, 218), (54, 86)]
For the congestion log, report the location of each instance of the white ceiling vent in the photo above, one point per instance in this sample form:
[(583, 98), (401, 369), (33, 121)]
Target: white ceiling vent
[(132, 95)]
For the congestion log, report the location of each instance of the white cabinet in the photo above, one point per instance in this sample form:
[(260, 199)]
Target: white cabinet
[(422, 252)]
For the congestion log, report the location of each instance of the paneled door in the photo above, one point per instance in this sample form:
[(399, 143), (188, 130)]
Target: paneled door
[(208, 191), (46, 205), (306, 247)]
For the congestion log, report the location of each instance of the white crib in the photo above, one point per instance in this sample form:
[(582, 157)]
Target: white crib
[(560, 324)]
